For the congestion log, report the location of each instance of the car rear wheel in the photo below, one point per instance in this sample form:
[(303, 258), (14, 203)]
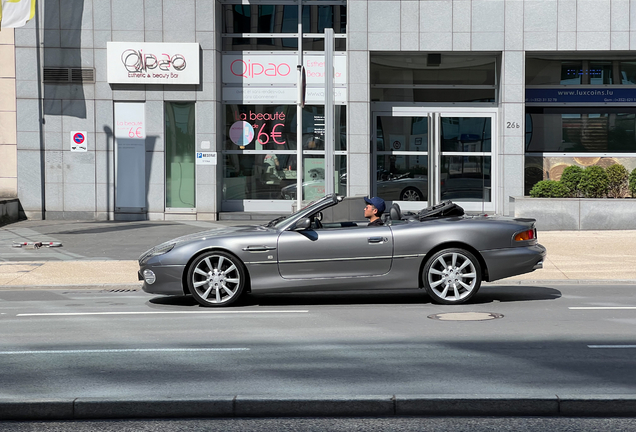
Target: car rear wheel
[(452, 276), (411, 194), (216, 279)]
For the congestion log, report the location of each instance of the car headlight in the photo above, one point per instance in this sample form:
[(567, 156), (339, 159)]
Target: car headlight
[(155, 251)]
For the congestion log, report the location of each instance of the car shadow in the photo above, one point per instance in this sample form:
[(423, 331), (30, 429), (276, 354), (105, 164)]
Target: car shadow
[(486, 294)]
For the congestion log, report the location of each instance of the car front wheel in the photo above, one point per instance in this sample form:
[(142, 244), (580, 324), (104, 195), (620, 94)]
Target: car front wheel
[(216, 279), (452, 276)]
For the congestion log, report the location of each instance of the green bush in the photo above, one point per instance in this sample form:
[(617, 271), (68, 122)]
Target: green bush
[(632, 183), (617, 176), (571, 178), (549, 189), (594, 182)]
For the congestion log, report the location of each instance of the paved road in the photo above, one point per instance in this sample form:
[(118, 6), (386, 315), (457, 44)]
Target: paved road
[(74, 343), (426, 424)]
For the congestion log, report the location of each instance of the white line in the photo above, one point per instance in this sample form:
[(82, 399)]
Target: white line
[(604, 308), (159, 312), (611, 346), (121, 351)]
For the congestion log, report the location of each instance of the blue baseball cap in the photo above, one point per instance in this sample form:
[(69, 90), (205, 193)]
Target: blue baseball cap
[(376, 202)]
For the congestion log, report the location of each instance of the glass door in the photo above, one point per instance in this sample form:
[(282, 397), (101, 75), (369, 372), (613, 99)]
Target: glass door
[(423, 157)]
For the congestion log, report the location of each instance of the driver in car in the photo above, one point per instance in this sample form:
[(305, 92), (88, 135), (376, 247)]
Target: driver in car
[(373, 211)]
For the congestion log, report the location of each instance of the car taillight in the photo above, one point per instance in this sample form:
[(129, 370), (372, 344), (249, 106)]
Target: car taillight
[(525, 235)]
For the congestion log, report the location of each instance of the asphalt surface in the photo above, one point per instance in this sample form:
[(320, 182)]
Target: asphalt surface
[(102, 255)]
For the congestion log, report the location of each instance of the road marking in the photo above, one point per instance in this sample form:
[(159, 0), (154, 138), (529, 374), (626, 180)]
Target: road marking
[(611, 346), (134, 350), (604, 308), (159, 312)]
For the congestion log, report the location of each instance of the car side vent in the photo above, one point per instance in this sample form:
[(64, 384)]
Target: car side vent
[(68, 75)]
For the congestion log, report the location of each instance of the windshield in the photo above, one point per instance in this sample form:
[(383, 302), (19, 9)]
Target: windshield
[(280, 221)]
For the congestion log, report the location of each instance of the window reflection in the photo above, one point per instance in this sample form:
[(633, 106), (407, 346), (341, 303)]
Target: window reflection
[(465, 178), (466, 134), (582, 130), (260, 18)]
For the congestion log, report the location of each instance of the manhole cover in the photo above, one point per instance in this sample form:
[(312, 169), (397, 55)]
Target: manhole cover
[(466, 316)]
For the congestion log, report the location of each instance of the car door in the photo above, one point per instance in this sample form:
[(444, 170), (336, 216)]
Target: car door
[(335, 252)]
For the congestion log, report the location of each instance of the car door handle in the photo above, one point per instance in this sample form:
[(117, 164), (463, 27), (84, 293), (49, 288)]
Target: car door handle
[(376, 239), (258, 248)]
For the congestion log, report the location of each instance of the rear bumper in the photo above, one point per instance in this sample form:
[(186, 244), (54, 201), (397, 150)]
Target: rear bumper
[(503, 263)]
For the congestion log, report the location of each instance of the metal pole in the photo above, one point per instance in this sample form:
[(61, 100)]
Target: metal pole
[(299, 115), (39, 47), (329, 113)]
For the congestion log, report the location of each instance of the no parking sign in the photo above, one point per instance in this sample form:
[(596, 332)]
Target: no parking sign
[(79, 143)]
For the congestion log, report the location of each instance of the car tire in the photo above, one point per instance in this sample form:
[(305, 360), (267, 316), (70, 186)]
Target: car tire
[(216, 279), (411, 194), (452, 276)]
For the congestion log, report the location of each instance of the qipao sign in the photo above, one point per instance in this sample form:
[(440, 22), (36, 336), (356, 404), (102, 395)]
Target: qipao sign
[(153, 63), (263, 125)]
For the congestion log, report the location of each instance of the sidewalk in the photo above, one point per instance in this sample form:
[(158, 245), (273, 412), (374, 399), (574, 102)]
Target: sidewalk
[(100, 254)]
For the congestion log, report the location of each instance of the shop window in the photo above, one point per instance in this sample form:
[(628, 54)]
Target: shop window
[(413, 77), (259, 44), (260, 151), (582, 130), (245, 18), (316, 18), (180, 139), (559, 137)]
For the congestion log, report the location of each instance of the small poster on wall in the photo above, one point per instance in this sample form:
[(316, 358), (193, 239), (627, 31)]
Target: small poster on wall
[(79, 143)]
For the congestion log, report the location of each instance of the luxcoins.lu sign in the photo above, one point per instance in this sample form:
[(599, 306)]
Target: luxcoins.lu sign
[(153, 63)]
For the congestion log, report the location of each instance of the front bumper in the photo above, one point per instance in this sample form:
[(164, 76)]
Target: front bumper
[(169, 279)]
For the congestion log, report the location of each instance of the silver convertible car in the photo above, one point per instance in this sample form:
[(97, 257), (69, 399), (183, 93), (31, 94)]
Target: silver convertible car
[(439, 249)]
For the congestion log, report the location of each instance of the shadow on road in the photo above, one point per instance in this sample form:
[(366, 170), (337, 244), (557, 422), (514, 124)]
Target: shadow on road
[(489, 294)]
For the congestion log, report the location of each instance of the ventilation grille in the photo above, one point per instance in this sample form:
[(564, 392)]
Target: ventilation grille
[(69, 75)]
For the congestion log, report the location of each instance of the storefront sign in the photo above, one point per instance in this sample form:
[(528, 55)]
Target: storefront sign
[(269, 69), (206, 158), (78, 141), (153, 63), (259, 69), (581, 95)]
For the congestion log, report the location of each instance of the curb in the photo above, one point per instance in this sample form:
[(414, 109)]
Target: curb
[(335, 406), (119, 287)]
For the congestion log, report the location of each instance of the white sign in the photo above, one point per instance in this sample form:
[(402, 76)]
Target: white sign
[(206, 158), (130, 121), (130, 155), (314, 95), (79, 142), (269, 69), (153, 63), (315, 68), (260, 94), (259, 69)]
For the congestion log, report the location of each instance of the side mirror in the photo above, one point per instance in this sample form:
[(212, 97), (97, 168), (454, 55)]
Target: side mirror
[(302, 224)]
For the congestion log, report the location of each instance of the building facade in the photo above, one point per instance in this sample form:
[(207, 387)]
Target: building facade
[(192, 109)]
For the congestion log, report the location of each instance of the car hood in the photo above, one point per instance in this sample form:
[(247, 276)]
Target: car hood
[(221, 232)]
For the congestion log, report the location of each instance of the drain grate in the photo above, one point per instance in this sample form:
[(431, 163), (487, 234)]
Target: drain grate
[(466, 316), (123, 290)]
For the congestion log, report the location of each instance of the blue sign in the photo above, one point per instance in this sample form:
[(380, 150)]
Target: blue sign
[(581, 95)]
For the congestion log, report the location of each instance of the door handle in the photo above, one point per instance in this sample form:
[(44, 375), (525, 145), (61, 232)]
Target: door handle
[(258, 248), (375, 239)]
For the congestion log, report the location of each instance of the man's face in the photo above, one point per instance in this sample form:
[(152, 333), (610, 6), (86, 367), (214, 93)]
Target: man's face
[(369, 211)]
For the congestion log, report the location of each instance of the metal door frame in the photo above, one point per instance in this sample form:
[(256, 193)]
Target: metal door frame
[(434, 151)]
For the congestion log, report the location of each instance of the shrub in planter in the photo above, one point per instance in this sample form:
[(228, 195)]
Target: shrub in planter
[(632, 182), (594, 182), (617, 176), (549, 189), (571, 178)]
